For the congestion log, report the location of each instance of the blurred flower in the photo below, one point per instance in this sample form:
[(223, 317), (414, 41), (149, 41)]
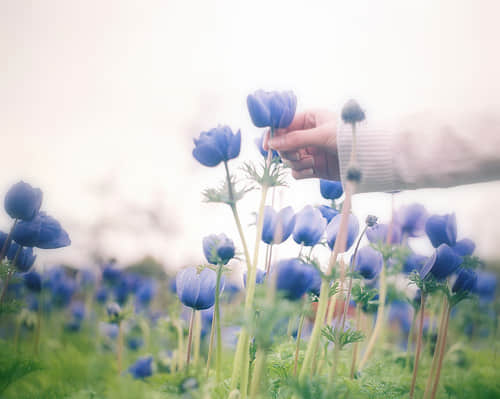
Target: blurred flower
[(413, 262), (108, 329), (464, 247), (122, 291), (33, 281), (486, 286), (25, 259), (217, 145), (206, 320), (78, 310), (146, 292), (111, 274), (142, 368), (466, 280), (277, 226), (412, 219), (172, 286), (352, 112), (333, 227), (114, 311), (442, 229), (134, 342), (259, 278), (218, 249), (401, 313), (330, 189), (259, 142), (23, 201), (101, 295), (196, 290), (315, 285), (62, 290), (231, 289), (371, 220), (43, 232), (368, 262), (293, 278), (272, 109), (378, 233), (442, 263), (309, 226), (87, 278), (328, 212)]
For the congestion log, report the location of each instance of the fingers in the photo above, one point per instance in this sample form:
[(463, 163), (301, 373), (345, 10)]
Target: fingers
[(298, 139), (300, 121), (303, 164), (303, 174)]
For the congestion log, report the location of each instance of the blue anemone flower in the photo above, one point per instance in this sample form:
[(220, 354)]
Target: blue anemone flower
[(442, 229), (368, 262), (277, 226), (196, 290), (23, 201), (309, 226), (142, 368), (110, 274), (330, 189), (24, 260), (442, 263), (42, 232), (486, 286), (333, 227), (217, 145), (378, 233), (412, 219), (33, 281), (218, 249), (328, 212), (294, 278), (464, 247), (62, 290), (466, 280), (315, 285), (272, 109), (134, 342), (146, 292), (259, 142), (78, 310), (413, 262)]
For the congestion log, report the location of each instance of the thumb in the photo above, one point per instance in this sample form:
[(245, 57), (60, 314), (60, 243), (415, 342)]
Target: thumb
[(298, 139)]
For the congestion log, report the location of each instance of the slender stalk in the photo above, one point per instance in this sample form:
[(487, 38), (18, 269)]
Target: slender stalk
[(340, 244), (380, 318), (291, 324), (299, 334), (419, 344), (218, 349), (269, 260), (190, 337), (349, 288), (437, 350), (119, 349), (211, 344), (356, 344), (260, 361), (409, 342), (197, 338), (441, 353)]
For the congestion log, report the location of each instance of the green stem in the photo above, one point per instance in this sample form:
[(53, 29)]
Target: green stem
[(190, 337), (241, 367), (419, 344), (119, 349), (260, 361), (409, 342), (380, 318), (437, 350), (218, 349), (299, 334), (197, 338), (441, 353), (211, 344)]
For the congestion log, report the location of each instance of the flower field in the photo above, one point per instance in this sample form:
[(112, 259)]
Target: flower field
[(371, 319)]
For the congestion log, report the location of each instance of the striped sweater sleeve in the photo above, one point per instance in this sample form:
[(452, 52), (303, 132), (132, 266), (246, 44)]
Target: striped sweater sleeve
[(424, 151)]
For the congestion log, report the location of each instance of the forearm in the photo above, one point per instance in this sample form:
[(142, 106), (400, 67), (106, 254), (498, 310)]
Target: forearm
[(424, 151)]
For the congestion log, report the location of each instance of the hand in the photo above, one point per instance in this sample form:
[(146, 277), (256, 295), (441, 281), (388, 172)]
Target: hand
[(309, 145)]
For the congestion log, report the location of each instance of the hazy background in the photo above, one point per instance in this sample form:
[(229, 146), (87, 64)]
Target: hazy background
[(100, 101)]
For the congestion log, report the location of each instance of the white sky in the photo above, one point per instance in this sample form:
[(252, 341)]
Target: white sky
[(110, 94)]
